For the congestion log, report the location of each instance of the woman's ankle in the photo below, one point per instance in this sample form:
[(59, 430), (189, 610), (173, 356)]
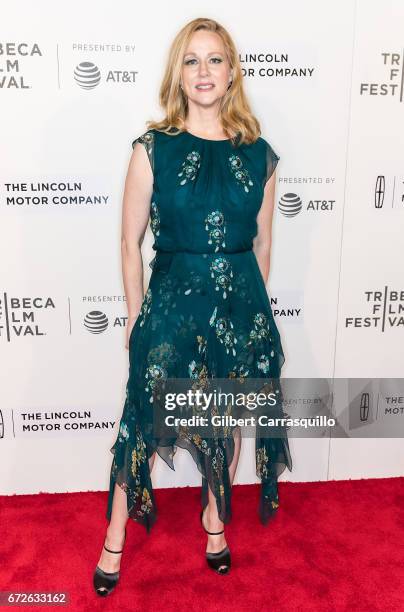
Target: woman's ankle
[(213, 521), (116, 533)]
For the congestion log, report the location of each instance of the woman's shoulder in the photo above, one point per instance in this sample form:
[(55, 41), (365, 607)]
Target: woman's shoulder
[(264, 146), (270, 156), (262, 153), (153, 134), (145, 138), (159, 143), (161, 147)]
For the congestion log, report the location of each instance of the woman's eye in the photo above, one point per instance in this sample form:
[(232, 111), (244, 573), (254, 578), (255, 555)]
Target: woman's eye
[(193, 60)]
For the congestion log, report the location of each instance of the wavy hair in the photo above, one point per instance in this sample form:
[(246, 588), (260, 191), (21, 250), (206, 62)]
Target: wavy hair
[(237, 119)]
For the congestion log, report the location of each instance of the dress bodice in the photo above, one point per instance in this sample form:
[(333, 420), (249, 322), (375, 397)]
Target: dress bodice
[(206, 193)]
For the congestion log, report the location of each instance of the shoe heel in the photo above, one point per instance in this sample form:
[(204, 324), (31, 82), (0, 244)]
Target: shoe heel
[(105, 582), (220, 562)]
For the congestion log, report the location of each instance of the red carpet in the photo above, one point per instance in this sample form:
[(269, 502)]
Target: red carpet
[(333, 546)]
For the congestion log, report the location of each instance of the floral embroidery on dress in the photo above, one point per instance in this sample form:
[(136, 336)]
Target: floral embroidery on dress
[(272, 495), (197, 371), (218, 460), (214, 224), (146, 306), (195, 282), (123, 433), (195, 438), (221, 271), (242, 286), (190, 167), (156, 320), (224, 331), (154, 219), (185, 326), (159, 358), (260, 330), (213, 317), (147, 504), (154, 374), (263, 363), (200, 443), (138, 454), (240, 173), (222, 431), (202, 344), (167, 292), (147, 139), (262, 462), (239, 371)]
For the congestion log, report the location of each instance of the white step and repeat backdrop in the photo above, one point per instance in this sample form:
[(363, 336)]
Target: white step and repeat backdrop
[(326, 81)]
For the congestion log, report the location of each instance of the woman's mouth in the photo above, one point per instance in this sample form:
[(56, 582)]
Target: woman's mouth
[(204, 86)]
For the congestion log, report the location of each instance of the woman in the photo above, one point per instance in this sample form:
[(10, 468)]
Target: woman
[(206, 179)]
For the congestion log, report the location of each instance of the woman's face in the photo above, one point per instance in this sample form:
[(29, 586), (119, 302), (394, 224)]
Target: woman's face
[(206, 72)]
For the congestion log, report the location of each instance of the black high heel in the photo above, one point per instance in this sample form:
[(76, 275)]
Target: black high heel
[(220, 562), (105, 582)]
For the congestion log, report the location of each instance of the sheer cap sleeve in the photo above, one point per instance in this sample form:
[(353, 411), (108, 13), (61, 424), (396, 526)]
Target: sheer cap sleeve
[(148, 141), (271, 161)]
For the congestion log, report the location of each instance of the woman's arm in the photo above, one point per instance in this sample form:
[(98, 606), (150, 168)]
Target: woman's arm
[(262, 241), (135, 216)]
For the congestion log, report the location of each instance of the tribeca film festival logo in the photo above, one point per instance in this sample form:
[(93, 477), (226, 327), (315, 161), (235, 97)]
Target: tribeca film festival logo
[(392, 85), (19, 315), (385, 310), (14, 58), (389, 196), (291, 204)]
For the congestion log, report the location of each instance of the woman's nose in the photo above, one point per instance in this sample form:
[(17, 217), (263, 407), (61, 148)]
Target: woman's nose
[(203, 69)]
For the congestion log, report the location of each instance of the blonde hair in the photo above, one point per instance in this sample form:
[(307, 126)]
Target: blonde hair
[(237, 120)]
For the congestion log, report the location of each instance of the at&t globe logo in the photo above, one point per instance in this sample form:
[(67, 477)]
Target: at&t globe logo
[(96, 322), (87, 75), (290, 204)]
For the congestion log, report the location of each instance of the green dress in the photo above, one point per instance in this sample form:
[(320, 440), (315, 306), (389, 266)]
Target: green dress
[(205, 315)]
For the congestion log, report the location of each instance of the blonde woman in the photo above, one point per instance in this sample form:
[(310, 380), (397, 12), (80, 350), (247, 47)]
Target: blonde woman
[(205, 179)]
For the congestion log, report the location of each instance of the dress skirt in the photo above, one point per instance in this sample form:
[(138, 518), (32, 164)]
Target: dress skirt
[(204, 316)]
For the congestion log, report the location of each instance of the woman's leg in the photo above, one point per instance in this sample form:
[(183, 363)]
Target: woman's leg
[(237, 446), (116, 528), (210, 517)]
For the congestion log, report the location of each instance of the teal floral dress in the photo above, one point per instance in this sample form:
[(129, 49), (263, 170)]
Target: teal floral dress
[(205, 315)]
